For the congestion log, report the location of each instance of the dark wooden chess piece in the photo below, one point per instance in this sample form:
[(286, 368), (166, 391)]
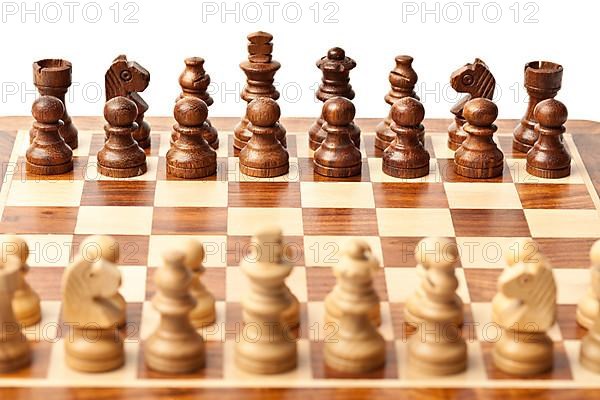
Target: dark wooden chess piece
[(260, 69), (263, 156), (194, 82), (549, 157), (406, 156), (543, 80), (403, 79), (477, 81), (190, 156), (121, 156), (337, 156), (48, 154), (127, 78), (52, 77), (336, 69), (479, 157)]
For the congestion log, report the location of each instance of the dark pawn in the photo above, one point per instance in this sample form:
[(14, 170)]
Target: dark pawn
[(406, 157), (264, 156), (121, 157), (549, 157), (190, 156), (194, 82), (48, 154), (337, 156), (478, 157), (403, 79), (336, 69)]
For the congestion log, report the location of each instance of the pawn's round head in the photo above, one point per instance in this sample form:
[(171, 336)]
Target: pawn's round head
[(194, 254), (97, 247), (47, 110), (435, 252), (190, 111), (551, 113), (263, 111), (120, 112), (14, 246), (336, 53), (480, 112), (408, 112), (338, 111)]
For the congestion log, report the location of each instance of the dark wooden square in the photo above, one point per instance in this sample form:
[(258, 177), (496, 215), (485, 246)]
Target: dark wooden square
[(118, 193), (410, 195), (189, 221), (340, 221), (483, 222), (133, 250), (51, 220), (264, 194), (553, 196)]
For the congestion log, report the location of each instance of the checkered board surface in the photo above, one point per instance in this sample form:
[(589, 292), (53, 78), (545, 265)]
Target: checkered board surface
[(151, 213)]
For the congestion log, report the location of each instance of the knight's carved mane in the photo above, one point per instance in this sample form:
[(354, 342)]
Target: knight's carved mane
[(113, 85)]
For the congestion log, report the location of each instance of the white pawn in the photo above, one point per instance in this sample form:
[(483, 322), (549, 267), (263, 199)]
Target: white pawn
[(274, 350), (204, 313), (435, 299), (589, 306), (97, 247), (15, 352), (175, 347), (437, 348), (589, 355), (333, 311), (25, 302), (357, 347)]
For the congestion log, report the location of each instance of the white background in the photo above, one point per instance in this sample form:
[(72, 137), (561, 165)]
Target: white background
[(372, 32)]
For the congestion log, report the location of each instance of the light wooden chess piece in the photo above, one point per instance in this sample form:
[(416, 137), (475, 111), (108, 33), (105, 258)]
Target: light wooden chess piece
[(357, 346), (97, 247), (589, 306), (87, 291), (435, 299), (175, 347), (339, 293), (437, 348), (15, 352), (589, 355), (204, 313), (266, 345), (25, 302), (525, 308)]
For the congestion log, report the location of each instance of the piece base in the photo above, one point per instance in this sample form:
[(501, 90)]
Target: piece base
[(49, 169), (479, 173), (349, 366), (95, 366), (549, 173), (191, 173), (122, 172), (521, 147), (9, 366), (452, 145), (406, 173), (345, 172), (381, 144), (171, 366), (520, 368), (264, 172), (265, 368)]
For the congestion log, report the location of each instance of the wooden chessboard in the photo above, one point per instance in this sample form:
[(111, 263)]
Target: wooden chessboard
[(150, 213)]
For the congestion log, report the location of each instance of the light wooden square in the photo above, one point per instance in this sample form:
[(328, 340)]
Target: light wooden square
[(247, 221), (96, 220), (84, 142), (563, 223), (482, 195), (377, 174), (581, 375), (440, 146), (326, 251), (133, 279), (486, 252), (48, 329), (215, 248), (52, 193), (302, 149), (403, 282), (415, 222), (48, 250), (337, 195), (571, 284), (190, 194)]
